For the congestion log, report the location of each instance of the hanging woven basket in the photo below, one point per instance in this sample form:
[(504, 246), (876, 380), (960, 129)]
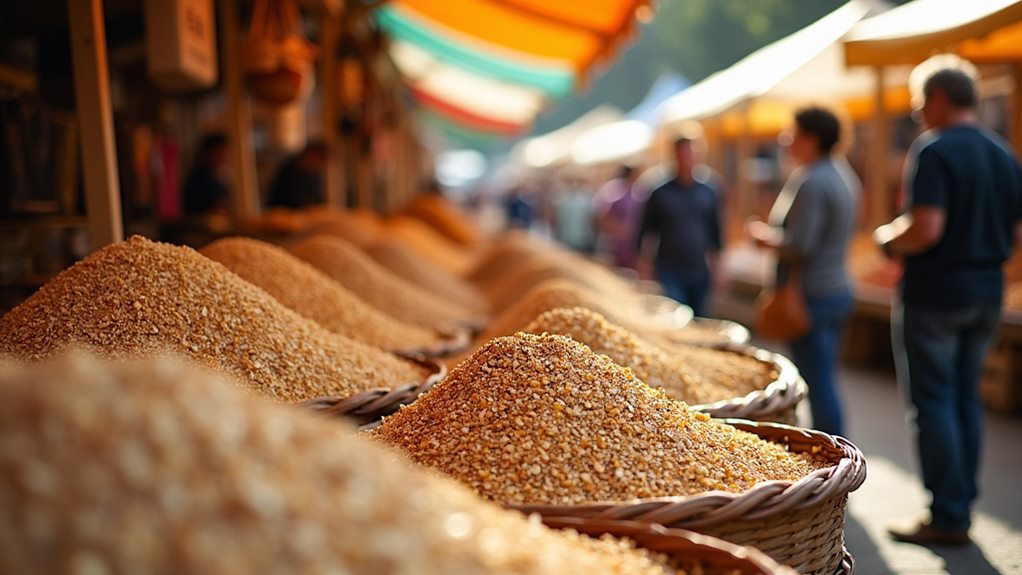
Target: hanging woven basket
[(277, 59)]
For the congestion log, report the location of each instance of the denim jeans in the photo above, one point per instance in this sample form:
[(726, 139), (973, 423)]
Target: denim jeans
[(689, 288), (816, 354), (939, 356)]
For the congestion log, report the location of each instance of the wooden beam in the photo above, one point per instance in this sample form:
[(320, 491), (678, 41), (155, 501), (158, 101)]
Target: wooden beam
[(92, 92), (333, 180), (245, 195), (878, 195), (745, 152)]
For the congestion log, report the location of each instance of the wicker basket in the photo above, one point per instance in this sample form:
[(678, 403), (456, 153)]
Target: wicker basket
[(687, 550), (712, 332), (452, 342), (800, 524), (777, 402), (366, 408)]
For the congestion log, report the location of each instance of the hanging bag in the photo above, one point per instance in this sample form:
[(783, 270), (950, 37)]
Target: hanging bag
[(781, 312)]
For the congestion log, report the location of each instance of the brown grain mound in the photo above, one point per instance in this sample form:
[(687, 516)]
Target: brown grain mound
[(407, 263), (386, 291), (142, 297), (430, 244), (114, 468), (690, 374), (541, 419), (554, 294), (311, 293)]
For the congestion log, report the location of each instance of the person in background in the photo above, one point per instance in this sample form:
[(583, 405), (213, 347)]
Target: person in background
[(614, 209), (299, 182), (205, 190), (573, 211), (963, 217), (518, 210), (810, 227), (684, 213)]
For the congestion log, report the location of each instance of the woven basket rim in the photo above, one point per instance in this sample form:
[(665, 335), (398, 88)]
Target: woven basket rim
[(735, 332), (763, 500), (453, 340), (369, 406), (847, 564), (783, 393), (679, 543)]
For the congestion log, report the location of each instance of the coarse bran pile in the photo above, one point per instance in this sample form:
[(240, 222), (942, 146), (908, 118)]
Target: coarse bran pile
[(372, 282), (431, 245), (407, 263), (115, 468), (359, 227), (312, 294), (141, 298), (690, 374), (554, 294), (541, 419), (446, 218)]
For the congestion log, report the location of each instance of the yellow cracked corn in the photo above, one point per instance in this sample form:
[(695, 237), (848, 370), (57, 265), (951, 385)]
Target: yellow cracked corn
[(541, 419), (384, 290), (142, 297), (314, 295), (115, 468), (691, 374)]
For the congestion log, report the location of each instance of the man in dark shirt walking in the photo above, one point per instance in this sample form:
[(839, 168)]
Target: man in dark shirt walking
[(965, 204), (684, 213)]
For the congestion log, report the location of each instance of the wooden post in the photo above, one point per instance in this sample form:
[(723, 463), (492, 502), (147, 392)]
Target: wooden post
[(92, 92), (879, 150), (333, 181), (245, 195), (746, 196), (1016, 110)]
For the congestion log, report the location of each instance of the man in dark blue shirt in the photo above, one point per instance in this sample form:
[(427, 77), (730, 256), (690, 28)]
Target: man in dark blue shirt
[(684, 213), (965, 204)]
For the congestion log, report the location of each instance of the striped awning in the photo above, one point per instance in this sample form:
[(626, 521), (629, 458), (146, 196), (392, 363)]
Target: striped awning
[(493, 65)]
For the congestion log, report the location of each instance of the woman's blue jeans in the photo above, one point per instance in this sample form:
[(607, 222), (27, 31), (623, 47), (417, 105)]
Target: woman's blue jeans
[(939, 356), (816, 356)]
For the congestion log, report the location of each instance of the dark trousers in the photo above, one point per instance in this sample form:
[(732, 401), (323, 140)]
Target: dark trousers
[(939, 355), (816, 356), (689, 288)]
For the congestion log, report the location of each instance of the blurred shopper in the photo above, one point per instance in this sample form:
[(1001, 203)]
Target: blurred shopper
[(574, 215), (205, 190), (684, 214), (518, 210), (964, 213), (809, 227), (614, 209), (299, 182)]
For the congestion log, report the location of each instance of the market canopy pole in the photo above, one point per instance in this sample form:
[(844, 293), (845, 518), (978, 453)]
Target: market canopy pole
[(92, 92), (879, 205), (245, 195)]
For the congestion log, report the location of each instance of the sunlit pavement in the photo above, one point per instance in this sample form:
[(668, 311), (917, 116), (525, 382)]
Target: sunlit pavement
[(892, 492), (875, 419)]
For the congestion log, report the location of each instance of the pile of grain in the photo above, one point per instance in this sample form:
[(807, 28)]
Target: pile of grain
[(116, 469), (555, 294), (314, 295), (690, 374), (445, 218), (373, 283), (407, 263), (504, 255), (140, 298), (359, 227), (431, 244), (541, 419)]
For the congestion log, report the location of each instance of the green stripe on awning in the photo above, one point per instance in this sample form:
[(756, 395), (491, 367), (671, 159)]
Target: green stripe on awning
[(459, 134), (553, 81)]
